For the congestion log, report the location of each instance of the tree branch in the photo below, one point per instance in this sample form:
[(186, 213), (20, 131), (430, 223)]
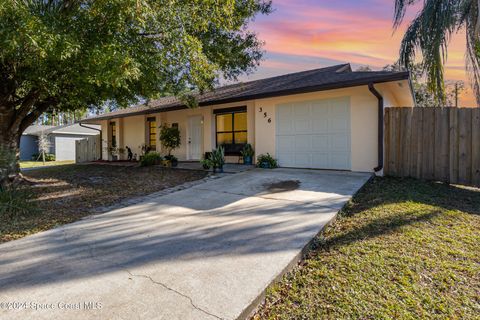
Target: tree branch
[(40, 107), (25, 108)]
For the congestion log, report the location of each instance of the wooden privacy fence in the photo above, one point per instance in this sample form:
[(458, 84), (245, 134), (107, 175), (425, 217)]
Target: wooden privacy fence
[(88, 149), (433, 143)]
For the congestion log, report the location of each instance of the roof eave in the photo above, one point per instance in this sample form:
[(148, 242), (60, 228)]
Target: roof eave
[(337, 85)]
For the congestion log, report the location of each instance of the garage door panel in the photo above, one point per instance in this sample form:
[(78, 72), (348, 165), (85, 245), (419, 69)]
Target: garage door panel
[(286, 159), (320, 137), (301, 110), (284, 119), (321, 160), (341, 160), (302, 160), (286, 143), (303, 143), (302, 126), (339, 142), (320, 125), (320, 142)]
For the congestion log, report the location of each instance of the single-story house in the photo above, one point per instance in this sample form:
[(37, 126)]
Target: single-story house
[(61, 140), (328, 118)]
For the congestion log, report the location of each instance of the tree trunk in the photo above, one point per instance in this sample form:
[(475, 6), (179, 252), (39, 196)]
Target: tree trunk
[(9, 158)]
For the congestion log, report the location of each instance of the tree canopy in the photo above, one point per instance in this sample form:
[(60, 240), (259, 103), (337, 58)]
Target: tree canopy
[(70, 54)]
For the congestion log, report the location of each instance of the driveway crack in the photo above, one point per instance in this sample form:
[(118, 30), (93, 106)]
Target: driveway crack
[(91, 249), (175, 291)]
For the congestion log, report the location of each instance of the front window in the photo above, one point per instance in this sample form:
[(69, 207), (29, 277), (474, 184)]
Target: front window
[(231, 128), (152, 133), (113, 128)]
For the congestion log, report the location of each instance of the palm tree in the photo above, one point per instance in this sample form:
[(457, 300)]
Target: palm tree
[(431, 31)]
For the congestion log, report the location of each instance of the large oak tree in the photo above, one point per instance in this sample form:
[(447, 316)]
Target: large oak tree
[(73, 54)]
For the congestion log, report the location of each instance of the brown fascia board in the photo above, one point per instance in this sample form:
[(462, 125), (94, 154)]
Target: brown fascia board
[(337, 85)]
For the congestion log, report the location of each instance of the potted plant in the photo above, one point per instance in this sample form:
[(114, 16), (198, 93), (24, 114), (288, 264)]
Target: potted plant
[(218, 159), (172, 159), (247, 153), (145, 149), (266, 161), (113, 152), (170, 140), (207, 161), (120, 153)]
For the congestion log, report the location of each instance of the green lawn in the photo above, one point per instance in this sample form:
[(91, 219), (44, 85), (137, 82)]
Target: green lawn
[(32, 164), (402, 249)]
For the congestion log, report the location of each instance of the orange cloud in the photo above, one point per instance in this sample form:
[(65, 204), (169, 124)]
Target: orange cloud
[(342, 32)]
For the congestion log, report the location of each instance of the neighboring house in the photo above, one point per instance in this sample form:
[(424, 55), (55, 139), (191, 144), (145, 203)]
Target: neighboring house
[(29, 141), (62, 140), (325, 118)]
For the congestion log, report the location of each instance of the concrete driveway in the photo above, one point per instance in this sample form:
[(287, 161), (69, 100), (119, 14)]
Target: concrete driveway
[(207, 252)]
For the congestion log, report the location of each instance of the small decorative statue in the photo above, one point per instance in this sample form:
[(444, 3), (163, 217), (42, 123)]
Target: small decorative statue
[(130, 153)]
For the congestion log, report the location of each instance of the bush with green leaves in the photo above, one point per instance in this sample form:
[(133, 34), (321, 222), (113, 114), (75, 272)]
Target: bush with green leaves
[(217, 157), (247, 150), (150, 159), (16, 202), (169, 138), (266, 161), (48, 157)]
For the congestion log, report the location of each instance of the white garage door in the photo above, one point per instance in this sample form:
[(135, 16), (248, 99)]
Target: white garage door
[(314, 134), (65, 148)]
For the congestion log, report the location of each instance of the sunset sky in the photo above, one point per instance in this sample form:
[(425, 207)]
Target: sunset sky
[(308, 34)]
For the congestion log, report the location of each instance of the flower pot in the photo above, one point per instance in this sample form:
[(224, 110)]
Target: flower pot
[(174, 163), (247, 160), (218, 169), (166, 163), (265, 165)]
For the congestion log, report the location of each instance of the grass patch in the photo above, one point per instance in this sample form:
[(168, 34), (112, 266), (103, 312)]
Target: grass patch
[(35, 164), (63, 194), (402, 249)]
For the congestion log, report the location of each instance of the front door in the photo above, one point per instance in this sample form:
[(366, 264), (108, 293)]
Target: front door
[(195, 137)]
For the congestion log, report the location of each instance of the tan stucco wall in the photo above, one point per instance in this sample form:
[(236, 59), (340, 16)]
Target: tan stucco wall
[(133, 133), (261, 132)]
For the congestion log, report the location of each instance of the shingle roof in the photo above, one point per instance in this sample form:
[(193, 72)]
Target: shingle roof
[(36, 129), (76, 129), (73, 129), (334, 77)]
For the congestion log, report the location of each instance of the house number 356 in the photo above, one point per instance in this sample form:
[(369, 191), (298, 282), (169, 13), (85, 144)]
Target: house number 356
[(265, 114)]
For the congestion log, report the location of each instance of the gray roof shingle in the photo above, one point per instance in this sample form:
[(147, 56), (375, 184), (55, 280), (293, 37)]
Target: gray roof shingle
[(334, 77)]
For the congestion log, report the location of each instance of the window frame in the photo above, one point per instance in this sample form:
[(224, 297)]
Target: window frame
[(113, 134), (151, 120), (231, 111)]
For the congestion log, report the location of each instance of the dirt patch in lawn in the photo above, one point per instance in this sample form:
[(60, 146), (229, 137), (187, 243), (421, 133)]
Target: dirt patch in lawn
[(67, 193)]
